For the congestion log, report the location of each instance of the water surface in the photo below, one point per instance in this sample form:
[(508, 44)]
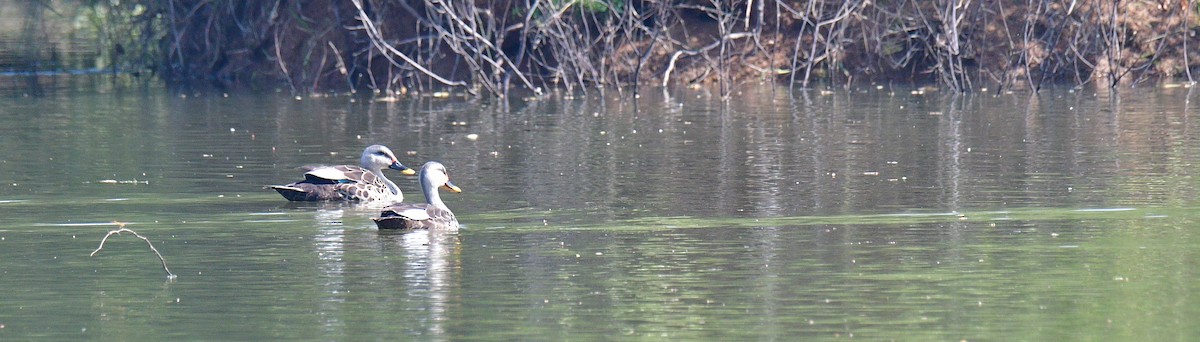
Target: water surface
[(874, 214)]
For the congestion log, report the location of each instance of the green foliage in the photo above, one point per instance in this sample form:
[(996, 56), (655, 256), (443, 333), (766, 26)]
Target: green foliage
[(601, 6), (605, 7)]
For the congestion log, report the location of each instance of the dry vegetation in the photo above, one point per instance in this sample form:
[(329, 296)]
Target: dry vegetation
[(488, 47)]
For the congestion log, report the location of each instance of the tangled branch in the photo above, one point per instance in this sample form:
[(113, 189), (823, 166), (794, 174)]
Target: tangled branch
[(492, 46)]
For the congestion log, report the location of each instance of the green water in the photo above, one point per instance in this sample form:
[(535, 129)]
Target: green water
[(871, 214)]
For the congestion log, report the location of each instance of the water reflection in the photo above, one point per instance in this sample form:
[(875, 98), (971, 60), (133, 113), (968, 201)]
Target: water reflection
[(330, 243), (430, 274)]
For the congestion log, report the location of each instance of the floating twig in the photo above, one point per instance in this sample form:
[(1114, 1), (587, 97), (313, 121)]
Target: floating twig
[(121, 228)]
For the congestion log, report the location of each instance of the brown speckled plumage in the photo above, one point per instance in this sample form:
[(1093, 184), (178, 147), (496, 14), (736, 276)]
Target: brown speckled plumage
[(364, 183)]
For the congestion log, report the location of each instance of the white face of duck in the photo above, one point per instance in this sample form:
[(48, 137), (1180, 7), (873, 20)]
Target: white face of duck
[(378, 157), (434, 173)]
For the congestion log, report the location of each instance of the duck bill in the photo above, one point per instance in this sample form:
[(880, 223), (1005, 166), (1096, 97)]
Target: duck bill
[(451, 187), (403, 169)]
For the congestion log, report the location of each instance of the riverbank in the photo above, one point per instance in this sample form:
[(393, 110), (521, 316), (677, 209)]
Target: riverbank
[(491, 48)]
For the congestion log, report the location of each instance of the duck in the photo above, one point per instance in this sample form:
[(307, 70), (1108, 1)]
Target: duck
[(433, 214), (363, 183)]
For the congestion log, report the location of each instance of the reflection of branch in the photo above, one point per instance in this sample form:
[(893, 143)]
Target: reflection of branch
[(121, 229)]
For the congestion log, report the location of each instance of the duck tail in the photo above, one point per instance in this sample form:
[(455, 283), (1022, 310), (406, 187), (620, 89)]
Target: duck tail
[(292, 193)]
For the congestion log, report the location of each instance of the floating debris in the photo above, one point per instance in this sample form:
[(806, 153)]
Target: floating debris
[(120, 229), (114, 181), (472, 137)]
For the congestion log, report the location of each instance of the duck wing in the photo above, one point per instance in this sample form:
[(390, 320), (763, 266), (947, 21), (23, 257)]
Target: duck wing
[(408, 211), (338, 174)]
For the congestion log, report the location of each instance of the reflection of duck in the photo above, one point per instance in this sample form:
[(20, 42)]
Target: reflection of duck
[(430, 215), (427, 277), (347, 182)]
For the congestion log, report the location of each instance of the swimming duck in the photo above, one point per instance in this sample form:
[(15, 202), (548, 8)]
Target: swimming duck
[(365, 182), (433, 214)]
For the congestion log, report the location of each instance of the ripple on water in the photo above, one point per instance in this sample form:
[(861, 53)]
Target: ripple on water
[(80, 224)]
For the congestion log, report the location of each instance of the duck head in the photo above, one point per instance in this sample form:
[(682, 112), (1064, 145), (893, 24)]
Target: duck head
[(377, 157), (434, 175)]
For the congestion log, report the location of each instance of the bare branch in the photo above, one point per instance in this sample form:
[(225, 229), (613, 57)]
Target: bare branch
[(121, 229), (377, 41)]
